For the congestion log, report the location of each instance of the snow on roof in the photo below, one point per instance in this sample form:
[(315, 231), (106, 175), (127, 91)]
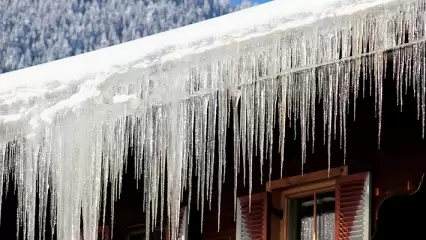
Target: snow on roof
[(70, 123), (177, 43), (43, 90)]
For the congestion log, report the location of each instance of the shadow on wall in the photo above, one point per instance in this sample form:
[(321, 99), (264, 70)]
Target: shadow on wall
[(403, 216)]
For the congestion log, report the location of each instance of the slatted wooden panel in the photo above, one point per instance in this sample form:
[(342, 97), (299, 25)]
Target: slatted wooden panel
[(253, 225), (353, 207)]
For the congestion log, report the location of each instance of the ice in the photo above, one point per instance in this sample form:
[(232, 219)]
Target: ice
[(65, 136), (272, 101), (261, 115), (222, 136), (249, 99), (237, 147), (211, 140), (283, 116)]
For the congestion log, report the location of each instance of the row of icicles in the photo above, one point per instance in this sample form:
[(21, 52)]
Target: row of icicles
[(72, 164)]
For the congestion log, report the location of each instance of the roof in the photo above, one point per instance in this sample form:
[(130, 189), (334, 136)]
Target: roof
[(246, 24), (77, 79)]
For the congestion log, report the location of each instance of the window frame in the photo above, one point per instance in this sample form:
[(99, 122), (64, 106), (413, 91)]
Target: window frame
[(285, 189)]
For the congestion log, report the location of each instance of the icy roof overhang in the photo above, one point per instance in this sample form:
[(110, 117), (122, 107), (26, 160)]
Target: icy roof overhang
[(64, 123), (68, 82), (255, 22)]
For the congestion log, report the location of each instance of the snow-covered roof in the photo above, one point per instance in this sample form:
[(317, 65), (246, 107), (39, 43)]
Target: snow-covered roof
[(66, 123), (210, 40), (172, 45)]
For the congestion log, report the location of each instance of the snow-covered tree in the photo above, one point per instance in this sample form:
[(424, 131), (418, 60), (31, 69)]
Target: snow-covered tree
[(37, 31)]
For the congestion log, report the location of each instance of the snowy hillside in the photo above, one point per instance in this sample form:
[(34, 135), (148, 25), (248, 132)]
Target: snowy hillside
[(35, 32)]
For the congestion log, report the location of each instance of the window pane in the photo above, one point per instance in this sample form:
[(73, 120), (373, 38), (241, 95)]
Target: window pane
[(301, 218), (325, 215)]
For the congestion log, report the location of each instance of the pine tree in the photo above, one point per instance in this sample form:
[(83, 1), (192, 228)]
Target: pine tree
[(37, 31)]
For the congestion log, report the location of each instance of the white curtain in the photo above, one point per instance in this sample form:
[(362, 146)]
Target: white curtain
[(307, 230), (325, 227)]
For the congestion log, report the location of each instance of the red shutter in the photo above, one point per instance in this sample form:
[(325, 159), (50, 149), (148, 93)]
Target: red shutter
[(253, 225), (353, 207)]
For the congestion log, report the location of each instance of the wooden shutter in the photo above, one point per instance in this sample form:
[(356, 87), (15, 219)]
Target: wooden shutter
[(253, 225), (183, 224), (353, 207)]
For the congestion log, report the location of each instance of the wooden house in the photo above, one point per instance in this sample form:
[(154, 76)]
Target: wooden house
[(284, 122)]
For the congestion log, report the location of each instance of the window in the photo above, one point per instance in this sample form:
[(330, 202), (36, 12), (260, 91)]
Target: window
[(324, 205), (312, 216)]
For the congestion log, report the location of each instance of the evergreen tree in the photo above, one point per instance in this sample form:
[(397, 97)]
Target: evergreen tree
[(37, 31)]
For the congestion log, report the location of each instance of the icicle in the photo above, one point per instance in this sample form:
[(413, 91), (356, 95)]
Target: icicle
[(191, 105), (237, 147), (283, 117), (250, 128), (257, 120), (198, 145), (313, 94), (329, 108), (223, 128), (379, 91), (336, 97), (423, 89), (2, 176), (272, 102), (260, 88), (345, 88), (302, 82), (243, 127), (211, 146), (105, 168)]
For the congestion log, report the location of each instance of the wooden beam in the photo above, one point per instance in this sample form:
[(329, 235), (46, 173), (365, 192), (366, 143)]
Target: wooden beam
[(310, 192), (276, 221), (310, 189), (286, 220), (284, 183)]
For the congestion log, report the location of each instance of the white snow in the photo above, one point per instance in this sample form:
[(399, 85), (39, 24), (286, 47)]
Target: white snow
[(66, 83), (174, 44), (71, 121)]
